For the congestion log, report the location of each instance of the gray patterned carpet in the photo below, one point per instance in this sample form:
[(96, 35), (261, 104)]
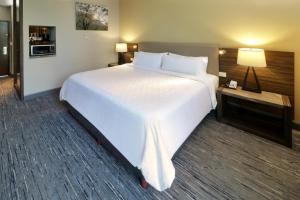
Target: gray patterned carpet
[(46, 154)]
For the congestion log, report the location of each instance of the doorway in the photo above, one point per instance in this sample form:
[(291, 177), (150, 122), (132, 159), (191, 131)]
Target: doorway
[(4, 48), (11, 42)]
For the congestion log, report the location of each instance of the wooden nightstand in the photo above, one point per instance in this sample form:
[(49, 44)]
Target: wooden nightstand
[(267, 114), (112, 64)]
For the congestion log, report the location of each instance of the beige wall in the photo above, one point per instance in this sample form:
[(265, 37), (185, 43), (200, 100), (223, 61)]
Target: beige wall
[(274, 25), (5, 13), (76, 50)]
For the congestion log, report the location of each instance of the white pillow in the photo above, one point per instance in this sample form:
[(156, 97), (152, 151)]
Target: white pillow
[(148, 60), (185, 64)]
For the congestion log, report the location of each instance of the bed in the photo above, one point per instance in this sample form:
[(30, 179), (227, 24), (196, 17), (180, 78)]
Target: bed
[(146, 115)]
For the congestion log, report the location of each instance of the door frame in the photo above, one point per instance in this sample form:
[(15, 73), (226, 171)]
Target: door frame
[(20, 90), (8, 47)]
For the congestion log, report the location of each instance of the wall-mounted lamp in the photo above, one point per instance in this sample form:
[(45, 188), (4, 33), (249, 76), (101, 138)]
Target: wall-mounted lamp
[(222, 52), (121, 48), (132, 47)]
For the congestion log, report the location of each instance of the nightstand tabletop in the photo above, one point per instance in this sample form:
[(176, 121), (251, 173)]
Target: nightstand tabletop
[(264, 97)]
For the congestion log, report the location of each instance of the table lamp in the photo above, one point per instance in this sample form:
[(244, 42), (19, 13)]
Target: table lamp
[(252, 58), (121, 48)]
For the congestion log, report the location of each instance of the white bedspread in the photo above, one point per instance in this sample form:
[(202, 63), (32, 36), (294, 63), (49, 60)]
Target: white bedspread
[(146, 115)]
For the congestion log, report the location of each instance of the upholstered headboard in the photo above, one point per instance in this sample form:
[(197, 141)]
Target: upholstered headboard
[(187, 49)]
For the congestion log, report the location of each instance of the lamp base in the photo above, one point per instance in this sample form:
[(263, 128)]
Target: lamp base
[(121, 58), (245, 87)]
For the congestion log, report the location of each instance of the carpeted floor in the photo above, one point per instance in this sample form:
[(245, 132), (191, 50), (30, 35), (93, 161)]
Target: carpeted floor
[(46, 154)]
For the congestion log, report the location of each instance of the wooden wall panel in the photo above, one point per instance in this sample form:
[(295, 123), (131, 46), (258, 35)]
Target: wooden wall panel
[(132, 47), (278, 77)]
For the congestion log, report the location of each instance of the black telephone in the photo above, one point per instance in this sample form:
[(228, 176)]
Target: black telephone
[(231, 84)]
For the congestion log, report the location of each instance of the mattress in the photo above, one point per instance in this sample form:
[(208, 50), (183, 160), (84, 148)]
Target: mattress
[(147, 115)]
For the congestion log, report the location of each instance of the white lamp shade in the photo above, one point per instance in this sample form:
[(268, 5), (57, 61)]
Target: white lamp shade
[(252, 57), (121, 47)]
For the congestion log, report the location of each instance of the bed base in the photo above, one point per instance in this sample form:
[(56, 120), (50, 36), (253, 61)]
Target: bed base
[(101, 140)]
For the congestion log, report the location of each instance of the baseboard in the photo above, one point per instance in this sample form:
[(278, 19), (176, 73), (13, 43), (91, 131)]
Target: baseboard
[(296, 126), (40, 94)]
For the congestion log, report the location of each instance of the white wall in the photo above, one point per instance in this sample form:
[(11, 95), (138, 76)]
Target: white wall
[(5, 13), (76, 50)]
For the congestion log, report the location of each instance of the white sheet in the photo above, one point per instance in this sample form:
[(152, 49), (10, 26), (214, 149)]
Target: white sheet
[(146, 115)]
